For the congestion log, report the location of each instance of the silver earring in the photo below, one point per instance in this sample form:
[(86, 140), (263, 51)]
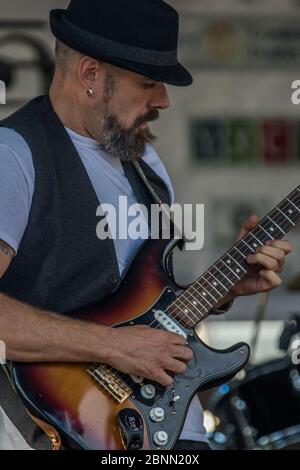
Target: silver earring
[(90, 92)]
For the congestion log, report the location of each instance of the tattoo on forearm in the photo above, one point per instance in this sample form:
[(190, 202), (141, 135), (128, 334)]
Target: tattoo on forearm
[(7, 250)]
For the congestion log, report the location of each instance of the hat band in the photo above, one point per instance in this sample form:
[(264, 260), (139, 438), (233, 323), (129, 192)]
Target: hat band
[(121, 51)]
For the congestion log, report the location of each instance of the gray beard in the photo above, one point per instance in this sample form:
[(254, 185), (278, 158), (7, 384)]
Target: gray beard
[(125, 144)]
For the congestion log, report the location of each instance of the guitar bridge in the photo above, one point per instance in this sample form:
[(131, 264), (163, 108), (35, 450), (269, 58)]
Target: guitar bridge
[(108, 380)]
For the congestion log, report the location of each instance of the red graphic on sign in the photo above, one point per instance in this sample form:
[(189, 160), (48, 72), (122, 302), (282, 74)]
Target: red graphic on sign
[(277, 135)]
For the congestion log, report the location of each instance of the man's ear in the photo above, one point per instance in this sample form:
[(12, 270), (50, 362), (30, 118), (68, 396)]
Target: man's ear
[(91, 72)]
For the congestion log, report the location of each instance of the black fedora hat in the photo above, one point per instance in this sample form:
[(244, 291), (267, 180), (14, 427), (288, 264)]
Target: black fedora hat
[(137, 35)]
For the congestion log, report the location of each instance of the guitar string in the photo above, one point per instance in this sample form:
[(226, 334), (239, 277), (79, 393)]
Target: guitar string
[(155, 322), (238, 259), (286, 201)]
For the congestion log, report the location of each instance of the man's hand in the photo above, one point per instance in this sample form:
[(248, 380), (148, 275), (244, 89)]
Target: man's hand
[(267, 263), (149, 353)]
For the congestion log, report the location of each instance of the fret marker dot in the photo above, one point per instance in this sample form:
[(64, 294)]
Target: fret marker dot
[(271, 229), (238, 270), (255, 245), (215, 283), (195, 303), (204, 293), (290, 211), (229, 261), (186, 310)]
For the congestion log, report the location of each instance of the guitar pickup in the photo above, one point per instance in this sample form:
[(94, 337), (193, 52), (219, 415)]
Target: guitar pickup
[(168, 324)]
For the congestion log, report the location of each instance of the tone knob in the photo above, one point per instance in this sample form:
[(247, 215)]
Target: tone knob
[(148, 391), (157, 414), (160, 438)]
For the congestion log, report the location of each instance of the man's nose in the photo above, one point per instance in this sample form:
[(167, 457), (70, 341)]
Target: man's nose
[(160, 98)]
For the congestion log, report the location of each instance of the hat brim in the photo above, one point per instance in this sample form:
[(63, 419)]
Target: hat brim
[(176, 75)]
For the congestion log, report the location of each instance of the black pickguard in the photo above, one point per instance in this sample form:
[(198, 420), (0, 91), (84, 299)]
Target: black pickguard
[(208, 368)]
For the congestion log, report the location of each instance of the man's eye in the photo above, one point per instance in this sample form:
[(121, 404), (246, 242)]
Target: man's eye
[(148, 85)]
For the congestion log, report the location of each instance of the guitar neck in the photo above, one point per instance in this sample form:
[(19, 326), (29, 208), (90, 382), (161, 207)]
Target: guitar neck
[(202, 297)]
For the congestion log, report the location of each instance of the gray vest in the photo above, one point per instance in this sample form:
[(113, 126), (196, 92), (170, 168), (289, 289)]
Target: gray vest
[(61, 265)]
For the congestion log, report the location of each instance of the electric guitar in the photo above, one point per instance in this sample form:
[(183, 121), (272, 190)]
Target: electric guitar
[(93, 406)]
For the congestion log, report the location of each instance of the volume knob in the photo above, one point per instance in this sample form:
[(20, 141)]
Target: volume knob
[(160, 438), (148, 391), (157, 414)]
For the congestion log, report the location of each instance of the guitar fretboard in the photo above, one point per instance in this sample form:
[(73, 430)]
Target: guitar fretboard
[(200, 299)]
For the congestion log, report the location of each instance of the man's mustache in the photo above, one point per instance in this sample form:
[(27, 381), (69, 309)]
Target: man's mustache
[(151, 116)]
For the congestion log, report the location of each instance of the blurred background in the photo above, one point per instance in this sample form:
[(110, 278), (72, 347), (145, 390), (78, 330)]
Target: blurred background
[(230, 141)]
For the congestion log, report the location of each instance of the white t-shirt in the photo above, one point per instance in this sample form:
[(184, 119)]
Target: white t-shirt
[(17, 179)]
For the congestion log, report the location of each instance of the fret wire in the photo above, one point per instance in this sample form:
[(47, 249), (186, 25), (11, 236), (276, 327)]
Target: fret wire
[(242, 240), (204, 288), (227, 273), (293, 205), (192, 302), (173, 307), (228, 254), (219, 282), (273, 232), (258, 228), (211, 306), (252, 234), (226, 264), (289, 209), (177, 311), (259, 225), (243, 249), (294, 195), (219, 293), (181, 316), (240, 259), (273, 222), (185, 308), (262, 229), (232, 284), (187, 311), (277, 218), (234, 246), (296, 199), (279, 212), (285, 216), (183, 295), (196, 301), (202, 282), (293, 199)]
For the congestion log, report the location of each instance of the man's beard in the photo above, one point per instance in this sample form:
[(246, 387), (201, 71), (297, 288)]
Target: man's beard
[(125, 144)]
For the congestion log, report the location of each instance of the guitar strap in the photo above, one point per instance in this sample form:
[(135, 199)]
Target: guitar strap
[(139, 188), (146, 193), (42, 436)]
